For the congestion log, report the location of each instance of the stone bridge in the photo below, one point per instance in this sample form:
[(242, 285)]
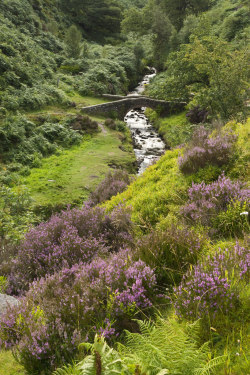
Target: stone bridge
[(119, 108)]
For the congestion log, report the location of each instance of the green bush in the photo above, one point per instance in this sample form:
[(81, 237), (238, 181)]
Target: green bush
[(24, 142), (234, 221), (15, 213), (170, 252), (83, 124)]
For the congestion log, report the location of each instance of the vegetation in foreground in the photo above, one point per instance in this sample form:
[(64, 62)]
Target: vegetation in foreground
[(165, 260)]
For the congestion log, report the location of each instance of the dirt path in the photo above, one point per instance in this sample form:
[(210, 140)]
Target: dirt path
[(102, 128)]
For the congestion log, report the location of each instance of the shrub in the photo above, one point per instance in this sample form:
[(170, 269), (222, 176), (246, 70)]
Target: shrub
[(204, 150), (110, 123), (170, 253), (15, 213), (60, 311), (105, 76), (22, 141), (114, 183), (212, 287), (206, 202), (72, 237), (84, 124), (234, 221), (118, 125), (197, 115)]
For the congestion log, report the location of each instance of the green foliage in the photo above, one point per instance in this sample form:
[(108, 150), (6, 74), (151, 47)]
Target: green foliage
[(171, 252), (206, 73), (169, 188), (175, 129), (161, 348), (240, 164), (15, 213), (3, 284), (179, 9), (100, 18), (73, 40), (234, 221), (105, 77), (23, 141)]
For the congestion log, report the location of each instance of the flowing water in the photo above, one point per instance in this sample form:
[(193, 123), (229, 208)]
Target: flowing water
[(148, 146)]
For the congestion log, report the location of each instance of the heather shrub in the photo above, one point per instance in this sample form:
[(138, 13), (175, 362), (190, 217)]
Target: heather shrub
[(206, 202), (72, 237), (205, 150), (110, 123), (115, 125), (197, 115), (62, 310), (84, 124), (170, 252), (114, 183), (213, 286)]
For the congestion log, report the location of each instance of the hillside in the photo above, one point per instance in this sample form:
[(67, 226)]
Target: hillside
[(114, 272)]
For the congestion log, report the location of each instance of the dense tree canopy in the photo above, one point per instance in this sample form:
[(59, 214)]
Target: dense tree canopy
[(100, 18)]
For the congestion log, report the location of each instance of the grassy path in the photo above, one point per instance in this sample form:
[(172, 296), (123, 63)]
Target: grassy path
[(70, 176)]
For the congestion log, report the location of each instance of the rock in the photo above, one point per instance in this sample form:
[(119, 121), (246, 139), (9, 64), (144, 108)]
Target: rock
[(5, 301)]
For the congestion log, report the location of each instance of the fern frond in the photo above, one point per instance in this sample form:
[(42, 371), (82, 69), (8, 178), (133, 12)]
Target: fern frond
[(67, 370), (210, 366), (146, 327)]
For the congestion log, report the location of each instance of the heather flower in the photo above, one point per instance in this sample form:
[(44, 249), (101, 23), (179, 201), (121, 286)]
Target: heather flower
[(59, 311), (208, 288), (71, 237), (207, 201), (114, 183), (204, 150)]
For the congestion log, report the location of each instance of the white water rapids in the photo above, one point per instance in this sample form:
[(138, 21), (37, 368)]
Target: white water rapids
[(148, 146)]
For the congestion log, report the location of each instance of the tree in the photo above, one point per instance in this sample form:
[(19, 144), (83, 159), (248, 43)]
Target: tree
[(206, 73), (177, 10), (162, 30), (73, 42), (98, 18)]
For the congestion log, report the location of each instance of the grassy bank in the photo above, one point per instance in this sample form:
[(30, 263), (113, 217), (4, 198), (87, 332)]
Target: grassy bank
[(175, 129)]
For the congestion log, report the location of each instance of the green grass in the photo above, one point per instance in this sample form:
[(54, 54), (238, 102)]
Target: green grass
[(80, 101), (70, 176), (9, 366), (175, 129), (155, 197)]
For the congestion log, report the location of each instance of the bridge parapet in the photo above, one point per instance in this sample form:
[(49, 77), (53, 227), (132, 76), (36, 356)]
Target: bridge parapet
[(119, 108)]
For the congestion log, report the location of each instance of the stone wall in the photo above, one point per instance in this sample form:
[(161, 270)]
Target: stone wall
[(119, 108)]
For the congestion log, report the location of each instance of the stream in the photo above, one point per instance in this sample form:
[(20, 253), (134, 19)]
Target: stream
[(148, 146)]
